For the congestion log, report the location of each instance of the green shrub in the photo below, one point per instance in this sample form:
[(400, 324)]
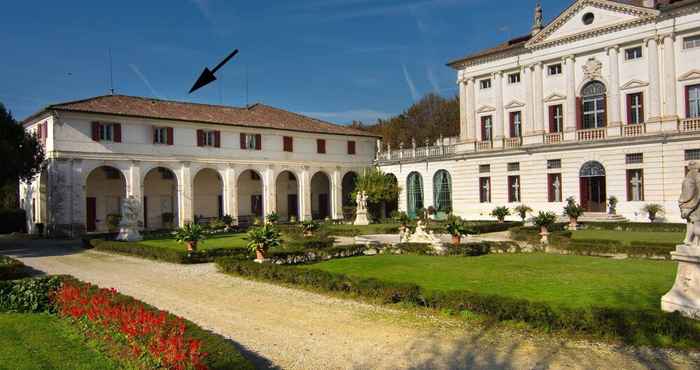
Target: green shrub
[(29, 295), (311, 242), (635, 249), (299, 256), (13, 220), (637, 226), (166, 255), (11, 268)]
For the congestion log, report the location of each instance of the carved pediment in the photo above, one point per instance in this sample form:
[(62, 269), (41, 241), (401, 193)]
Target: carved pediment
[(485, 108), (554, 97), (634, 84), (515, 104), (691, 75), (589, 18)]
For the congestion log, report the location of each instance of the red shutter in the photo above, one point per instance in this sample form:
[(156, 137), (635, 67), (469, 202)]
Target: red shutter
[(351, 147), (217, 139), (153, 133), (641, 107), (550, 190), (243, 141), (579, 114), (641, 175), (200, 137), (287, 144), (511, 125), (39, 131), (95, 131), (629, 186), (117, 132), (552, 121), (45, 127), (629, 108), (320, 146), (258, 142), (171, 139)]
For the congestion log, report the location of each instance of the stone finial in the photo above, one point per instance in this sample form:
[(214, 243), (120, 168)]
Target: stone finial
[(413, 142), (401, 145), (538, 23)]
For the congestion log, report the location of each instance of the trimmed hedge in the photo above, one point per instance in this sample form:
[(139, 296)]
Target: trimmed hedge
[(299, 256), (13, 220), (464, 250), (594, 247), (478, 227), (631, 326), (167, 255), (636, 226), (311, 242), (28, 295), (11, 268)]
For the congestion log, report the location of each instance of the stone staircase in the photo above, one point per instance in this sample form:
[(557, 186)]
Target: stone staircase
[(601, 217)]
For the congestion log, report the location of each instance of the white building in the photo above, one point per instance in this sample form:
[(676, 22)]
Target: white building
[(187, 160), (603, 101)]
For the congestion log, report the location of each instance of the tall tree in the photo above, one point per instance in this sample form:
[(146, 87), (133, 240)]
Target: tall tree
[(429, 118), (21, 152), (379, 188)]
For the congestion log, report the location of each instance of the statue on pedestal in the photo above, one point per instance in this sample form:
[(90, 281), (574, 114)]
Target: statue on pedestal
[(361, 218), (685, 294), (129, 225)]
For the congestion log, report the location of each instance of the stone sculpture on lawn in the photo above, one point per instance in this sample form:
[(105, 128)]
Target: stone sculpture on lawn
[(361, 218), (129, 225)]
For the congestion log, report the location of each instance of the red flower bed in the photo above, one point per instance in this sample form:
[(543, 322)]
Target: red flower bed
[(145, 336)]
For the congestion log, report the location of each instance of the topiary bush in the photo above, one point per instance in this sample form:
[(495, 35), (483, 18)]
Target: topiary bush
[(29, 295), (167, 255), (11, 268)]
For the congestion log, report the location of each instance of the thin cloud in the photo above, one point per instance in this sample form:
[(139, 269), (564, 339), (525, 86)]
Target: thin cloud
[(433, 81), (203, 6), (409, 82), (348, 116), (143, 78), (350, 10)]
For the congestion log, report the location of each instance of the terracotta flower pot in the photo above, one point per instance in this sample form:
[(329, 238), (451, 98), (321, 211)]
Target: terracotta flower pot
[(573, 223), (544, 233), (259, 254), (456, 239), (191, 246)]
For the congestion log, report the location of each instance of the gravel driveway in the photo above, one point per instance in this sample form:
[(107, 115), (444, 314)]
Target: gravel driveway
[(286, 328)]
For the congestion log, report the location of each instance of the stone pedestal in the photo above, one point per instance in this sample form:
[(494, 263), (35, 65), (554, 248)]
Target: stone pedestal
[(129, 233), (685, 294), (361, 219)]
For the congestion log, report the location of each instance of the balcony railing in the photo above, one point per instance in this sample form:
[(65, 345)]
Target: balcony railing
[(592, 134), (553, 138), (634, 130), (689, 124), (418, 153), (484, 145), (512, 142)]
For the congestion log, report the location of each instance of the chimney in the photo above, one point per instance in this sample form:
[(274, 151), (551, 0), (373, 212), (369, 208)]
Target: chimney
[(650, 4)]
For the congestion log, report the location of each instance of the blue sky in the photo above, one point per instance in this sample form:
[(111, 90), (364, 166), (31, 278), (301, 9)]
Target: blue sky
[(338, 60)]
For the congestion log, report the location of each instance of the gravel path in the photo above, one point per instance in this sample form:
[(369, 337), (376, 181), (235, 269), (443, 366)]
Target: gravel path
[(286, 328)]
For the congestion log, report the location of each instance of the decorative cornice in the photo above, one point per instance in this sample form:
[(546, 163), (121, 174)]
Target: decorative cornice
[(644, 15), (514, 104), (485, 109), (693, 74), (554, 97), (634, 84)]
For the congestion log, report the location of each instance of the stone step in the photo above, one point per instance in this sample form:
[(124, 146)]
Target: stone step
[(601, 217)]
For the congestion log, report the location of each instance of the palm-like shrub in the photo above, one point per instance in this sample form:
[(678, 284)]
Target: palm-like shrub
[(402, 218), (217, 225), (652, 210), (113, 221), (272, 218), (261, 239), (500, 213), (544, 219), (455, 227), (191, 234), (308, 227), (612, 205), (573, 210), (522, 211)]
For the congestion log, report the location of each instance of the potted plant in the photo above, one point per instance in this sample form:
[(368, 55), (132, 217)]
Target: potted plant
[(544, 220), (652, 210), (292, 219), (308, 227), (420, 213), (167, 219), (39, 227), (113, 221), (612, 205), (455, 227), (261, 239), (191, 235), (217, 225), (500, 213), (272, 218), (522, 211), (574, 211), (228, 221), (430, 212)]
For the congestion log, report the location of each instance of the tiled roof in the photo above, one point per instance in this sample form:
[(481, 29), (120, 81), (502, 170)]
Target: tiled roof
[(255, 116)]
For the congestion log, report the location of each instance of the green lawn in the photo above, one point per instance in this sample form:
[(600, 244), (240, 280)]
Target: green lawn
[(33, 341), (629, 236), (563, 281), (212, 242)]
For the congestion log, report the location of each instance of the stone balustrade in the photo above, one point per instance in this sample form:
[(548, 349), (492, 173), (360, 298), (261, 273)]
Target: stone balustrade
[(591, 134), (689, 125)]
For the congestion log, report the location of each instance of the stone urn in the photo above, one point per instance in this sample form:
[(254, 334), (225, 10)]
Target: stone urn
[(544, 233), (573, 223), (456, 239), (192, 246)]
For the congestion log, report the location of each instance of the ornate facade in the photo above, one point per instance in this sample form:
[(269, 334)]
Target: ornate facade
[(603, 101)]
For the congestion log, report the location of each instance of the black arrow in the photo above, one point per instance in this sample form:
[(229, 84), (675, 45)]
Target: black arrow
[(207, 75)]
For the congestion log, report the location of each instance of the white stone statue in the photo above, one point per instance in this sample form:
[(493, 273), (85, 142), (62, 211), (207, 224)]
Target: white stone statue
[(685, 294), (129, 225), (361, 209), (421, 235)]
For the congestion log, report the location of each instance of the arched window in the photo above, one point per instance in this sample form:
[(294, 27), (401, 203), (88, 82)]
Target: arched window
[(414, 190), (593, 105), (592, 169), (442, 191)]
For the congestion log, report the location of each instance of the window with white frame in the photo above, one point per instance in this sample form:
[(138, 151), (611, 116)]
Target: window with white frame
[(160, 135), (692, 154), (250, 141), (633, 53), (691, 42), (553, 164), (636, 108), (594, 105), (693, 103), (514, 78), (485, 84), (210, 138), (106, 132), (554, 69), (634, 158)]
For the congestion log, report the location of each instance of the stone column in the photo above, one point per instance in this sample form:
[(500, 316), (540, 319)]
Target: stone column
[(184, 195), (336, 195), (463, 109), (135, 187), (498, 125), (539, 99), (614, 117), (231, 192), (269, 191), (305, 196), (77, 191), (670, 108), (528, 75), (654, 85), (570, 122), (471, 108)]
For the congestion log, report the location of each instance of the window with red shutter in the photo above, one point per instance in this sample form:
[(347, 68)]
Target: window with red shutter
[(320, 146), (171, 134), (288, 144), (95, 131), (351, 147), (200, 137), (258, 142), (243, 142), (217, 139), (117, 133)]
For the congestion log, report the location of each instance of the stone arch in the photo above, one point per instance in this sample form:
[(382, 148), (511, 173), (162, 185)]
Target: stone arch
[(442, 192), (592, 181), (251, 193), (160, 203), (348, 186), (391, 206), (321, 195), (414, 193), (288, 195), (208, 194), (105, 189), (593, 105)]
